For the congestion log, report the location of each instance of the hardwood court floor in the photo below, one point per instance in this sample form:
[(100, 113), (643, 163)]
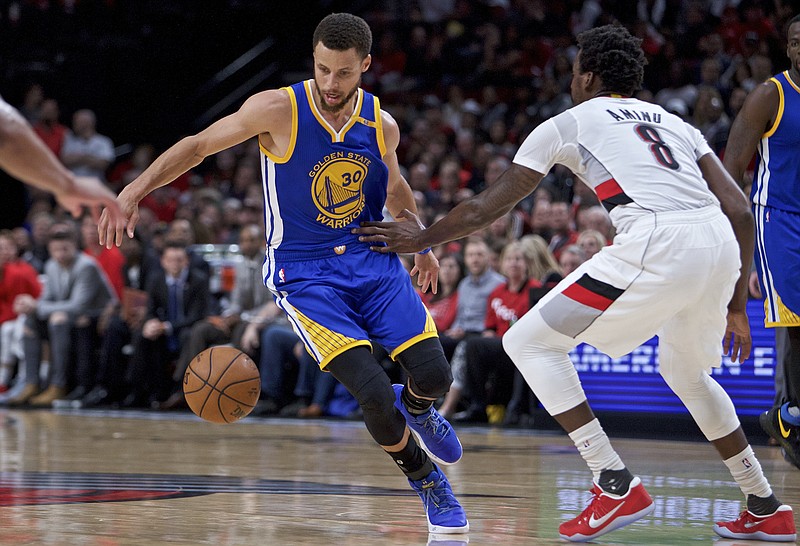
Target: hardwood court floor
[(123, 478)]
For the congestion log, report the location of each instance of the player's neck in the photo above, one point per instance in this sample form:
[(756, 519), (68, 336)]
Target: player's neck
[(339, 118), (794, 75), (611, 94)]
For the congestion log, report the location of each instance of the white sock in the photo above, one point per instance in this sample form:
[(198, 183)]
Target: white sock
[(595, 448), (746, 470)]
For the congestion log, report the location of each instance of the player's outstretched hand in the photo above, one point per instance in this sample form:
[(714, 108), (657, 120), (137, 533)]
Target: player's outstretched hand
[(737, 342), (401, 237), (90, 193), (118, 218)]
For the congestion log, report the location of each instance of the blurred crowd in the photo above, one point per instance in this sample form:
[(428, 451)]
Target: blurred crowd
[(84, 326)]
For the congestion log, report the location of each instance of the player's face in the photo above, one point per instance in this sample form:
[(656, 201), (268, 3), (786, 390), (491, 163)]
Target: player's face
[(793, 46), (579, 82), (337, 75)]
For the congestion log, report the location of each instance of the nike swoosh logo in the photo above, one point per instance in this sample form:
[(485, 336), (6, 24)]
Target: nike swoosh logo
[(785, 433), (751, 524), (595, 523)]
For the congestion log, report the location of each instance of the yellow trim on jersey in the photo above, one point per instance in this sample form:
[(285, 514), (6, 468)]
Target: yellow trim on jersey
[(379, 126), (778, 117), (785, 315), (327, 343), (789, 79), (340, 350), (292, 138), (428, 332), (327, 126)]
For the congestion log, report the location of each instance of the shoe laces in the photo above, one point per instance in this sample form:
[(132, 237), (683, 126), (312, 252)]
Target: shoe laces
[(594, 506), (435, 423), (440, 496)]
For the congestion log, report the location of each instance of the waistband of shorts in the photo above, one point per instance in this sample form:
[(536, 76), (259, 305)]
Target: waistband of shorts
[(680, 217), (320, 253)]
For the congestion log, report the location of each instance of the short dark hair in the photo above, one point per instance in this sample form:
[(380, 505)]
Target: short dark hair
[(62, 231), (793, 20), (613, 54), (342, 31)]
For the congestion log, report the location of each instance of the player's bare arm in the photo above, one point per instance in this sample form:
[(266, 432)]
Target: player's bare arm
[(755, 118), (266, 114), (24, 156), (402, 206), (736, 207), (466, 218)]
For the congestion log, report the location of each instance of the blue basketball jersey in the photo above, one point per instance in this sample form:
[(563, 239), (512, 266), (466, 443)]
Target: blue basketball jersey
[(327, 182), (776, 182)]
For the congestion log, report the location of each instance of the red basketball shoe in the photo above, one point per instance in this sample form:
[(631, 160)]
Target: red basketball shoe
[(607, 512), (776, 527)]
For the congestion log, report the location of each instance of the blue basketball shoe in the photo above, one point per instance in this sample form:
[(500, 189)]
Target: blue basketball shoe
[(433, 432), (445, 514)]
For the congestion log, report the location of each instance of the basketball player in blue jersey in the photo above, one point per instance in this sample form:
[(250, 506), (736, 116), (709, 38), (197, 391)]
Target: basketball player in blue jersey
[(769, 123), (329, 162), (684, 229)]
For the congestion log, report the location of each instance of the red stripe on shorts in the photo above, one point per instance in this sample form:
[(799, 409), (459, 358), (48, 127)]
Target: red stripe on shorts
[(587, 297)]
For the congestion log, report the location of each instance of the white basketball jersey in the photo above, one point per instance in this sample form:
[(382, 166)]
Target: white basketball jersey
[(638, 158)]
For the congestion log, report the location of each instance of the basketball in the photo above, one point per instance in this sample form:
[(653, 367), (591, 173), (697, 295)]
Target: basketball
[(221, 385)]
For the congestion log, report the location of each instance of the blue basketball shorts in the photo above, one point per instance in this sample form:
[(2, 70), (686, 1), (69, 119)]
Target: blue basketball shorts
[(336, 301), (777, 263)]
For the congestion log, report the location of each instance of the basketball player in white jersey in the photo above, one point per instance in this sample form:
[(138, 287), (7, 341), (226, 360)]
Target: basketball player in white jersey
[(675, 269)]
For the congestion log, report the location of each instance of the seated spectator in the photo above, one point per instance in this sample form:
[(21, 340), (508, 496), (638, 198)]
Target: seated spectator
[(563, 234), (177, 298), (571, 258), (48, 127), (485, 357), (75, 294), (85, 151), (443, 305), (591, 241), (473, 293), (16, 278), (249, 295)]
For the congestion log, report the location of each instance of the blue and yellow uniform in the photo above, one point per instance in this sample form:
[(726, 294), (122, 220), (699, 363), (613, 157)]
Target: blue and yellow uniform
[(776, 206), (335, 291)]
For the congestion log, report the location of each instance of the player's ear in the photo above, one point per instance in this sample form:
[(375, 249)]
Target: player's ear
[(366, 62)]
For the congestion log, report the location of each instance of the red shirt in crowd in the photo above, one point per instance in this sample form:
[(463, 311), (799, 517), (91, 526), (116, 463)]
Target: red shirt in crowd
[(16, 278), (506, 307), (111, 261), (443, 310)]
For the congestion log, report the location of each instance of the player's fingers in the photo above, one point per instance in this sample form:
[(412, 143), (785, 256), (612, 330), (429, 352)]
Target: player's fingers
[(414, 271), (747, 346), (373, 239), (435, 283), (381, 249), (726, 343)]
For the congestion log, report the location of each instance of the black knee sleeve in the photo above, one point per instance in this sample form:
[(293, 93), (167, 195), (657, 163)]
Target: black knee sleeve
[(429, 372), (365, 379)]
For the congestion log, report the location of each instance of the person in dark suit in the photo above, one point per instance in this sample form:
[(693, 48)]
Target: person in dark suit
[(178, 298)]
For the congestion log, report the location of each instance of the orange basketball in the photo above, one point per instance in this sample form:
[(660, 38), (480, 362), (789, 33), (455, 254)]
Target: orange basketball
[(222, 384)]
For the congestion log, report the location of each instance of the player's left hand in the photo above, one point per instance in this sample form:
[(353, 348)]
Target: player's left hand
[(426, 267), (737, 341), (400, 237)]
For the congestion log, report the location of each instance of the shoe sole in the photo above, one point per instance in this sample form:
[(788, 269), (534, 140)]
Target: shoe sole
[(789, 452), (439, 530), (758, 535), (621, 521)]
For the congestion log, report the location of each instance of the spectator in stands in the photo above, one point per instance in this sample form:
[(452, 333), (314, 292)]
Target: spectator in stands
[(177, 298), (597, 219), (85, 151), (75, 294), (110, 260), (443, 305), (591, 241), (248, 297), (561, 227), (484, 355), (48, 127), (473, 293), (571, 258), (16, 278)]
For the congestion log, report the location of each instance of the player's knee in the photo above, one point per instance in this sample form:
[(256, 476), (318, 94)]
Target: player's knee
[(514, 344), (428, 370), (376, 395)]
